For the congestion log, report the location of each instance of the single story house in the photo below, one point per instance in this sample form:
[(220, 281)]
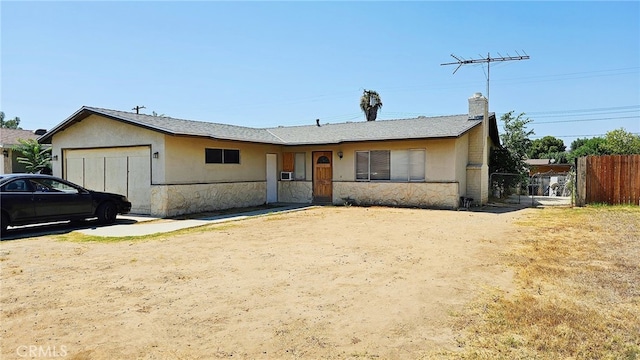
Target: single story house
[(8, 139), (168, 166)]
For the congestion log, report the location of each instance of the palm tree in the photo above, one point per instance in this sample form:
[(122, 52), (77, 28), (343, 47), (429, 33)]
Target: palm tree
[(35, 156), (370, 102)]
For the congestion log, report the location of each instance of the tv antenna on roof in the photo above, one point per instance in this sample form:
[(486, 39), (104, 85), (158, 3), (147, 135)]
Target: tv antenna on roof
[(462, 61), (138, 108)]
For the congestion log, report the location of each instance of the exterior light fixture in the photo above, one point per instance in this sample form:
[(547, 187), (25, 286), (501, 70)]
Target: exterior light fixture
[(340, 154), (55, 158), (156, 155), (5, 153)]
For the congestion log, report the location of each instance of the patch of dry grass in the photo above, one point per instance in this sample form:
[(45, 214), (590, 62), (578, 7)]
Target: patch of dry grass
[(578, 297), (80, 237)]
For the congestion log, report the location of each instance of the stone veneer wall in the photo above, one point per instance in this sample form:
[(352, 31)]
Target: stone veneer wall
[(295, 192), (429, 194), (172, 200)]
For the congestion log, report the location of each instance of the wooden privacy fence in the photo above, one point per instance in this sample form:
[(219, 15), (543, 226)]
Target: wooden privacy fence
[(609, 179)]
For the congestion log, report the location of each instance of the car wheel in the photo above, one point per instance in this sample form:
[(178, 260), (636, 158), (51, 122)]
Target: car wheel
[(4, 222), (107, 213)]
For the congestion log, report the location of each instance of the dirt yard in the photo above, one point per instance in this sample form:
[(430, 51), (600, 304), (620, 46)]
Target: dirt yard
[(333, 282)]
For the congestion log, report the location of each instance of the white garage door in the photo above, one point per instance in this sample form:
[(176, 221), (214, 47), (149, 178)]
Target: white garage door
[(125, 171)]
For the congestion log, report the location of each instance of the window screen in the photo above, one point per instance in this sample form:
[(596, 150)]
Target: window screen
[(299, 167), (222, 156), (380, 161), (231, 156), (362, 165), (396, 165)]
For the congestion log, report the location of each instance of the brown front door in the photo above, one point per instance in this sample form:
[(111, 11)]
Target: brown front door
[(322, 175)]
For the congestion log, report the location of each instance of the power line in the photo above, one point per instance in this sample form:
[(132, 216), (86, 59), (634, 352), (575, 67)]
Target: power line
[(585, 110), (571, 76), (581, 120), (576, 136), (586, 114)]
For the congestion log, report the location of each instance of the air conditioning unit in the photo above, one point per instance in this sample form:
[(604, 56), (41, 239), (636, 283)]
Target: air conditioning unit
[(286, 175)]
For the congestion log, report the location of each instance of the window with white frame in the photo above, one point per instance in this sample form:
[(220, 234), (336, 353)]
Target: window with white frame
[(394, 165), (299, 167)]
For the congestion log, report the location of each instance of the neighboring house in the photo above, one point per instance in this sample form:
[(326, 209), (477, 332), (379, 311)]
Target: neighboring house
[(8, 139), (170, 166), (546, 177)]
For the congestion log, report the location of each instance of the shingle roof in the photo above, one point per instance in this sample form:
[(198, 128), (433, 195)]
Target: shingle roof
[(416, 128), (172, 126), (9, 137)]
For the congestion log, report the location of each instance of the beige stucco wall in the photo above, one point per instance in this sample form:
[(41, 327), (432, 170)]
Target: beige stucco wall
[(184, 159), (462, 159), (97, 131), (439, 159), (445, 165), (172, 200), (426, 194)]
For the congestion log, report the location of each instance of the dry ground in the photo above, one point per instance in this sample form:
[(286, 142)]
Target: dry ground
[(330, 282), (326, 282)]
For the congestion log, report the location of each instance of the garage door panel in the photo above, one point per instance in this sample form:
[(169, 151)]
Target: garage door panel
[(94, 173), (115, 179), (75, 170), (140, 184), (125, 171)]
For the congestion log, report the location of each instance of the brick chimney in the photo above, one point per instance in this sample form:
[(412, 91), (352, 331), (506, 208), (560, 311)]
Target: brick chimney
[(478, 161), (477, 106)]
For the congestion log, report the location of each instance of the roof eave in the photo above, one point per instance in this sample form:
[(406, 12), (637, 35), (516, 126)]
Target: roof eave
[(83, 113), (339, 142)]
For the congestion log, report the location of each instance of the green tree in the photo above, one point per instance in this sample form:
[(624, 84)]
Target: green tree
[(575, 144), (35, 157), (585, 147), (541, 148), (370, 103), (516, 140), (510, 158), (621, 142), (9, 124)]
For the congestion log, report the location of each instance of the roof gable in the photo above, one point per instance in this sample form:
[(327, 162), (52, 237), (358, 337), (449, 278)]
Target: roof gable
[(10, 137), (168, 125)]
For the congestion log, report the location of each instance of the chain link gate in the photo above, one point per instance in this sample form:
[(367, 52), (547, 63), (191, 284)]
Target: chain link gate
[(552, 188), (505, 187), (549, 188)]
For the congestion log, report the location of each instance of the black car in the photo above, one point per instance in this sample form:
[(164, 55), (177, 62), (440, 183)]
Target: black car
[(35, 198)]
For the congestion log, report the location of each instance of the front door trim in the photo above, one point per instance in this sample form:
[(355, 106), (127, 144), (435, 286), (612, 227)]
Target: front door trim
[(322, 177)]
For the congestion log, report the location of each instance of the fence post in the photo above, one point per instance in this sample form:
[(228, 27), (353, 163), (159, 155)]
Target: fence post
[(581, 181)]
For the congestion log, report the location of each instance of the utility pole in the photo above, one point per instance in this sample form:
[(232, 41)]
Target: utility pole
[(138, 108), (462, 61)]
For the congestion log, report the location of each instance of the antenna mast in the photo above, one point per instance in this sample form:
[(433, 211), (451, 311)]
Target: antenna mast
[(138, 108), (462, 61)]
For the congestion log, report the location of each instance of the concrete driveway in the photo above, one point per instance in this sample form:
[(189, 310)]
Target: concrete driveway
[(137, 225)]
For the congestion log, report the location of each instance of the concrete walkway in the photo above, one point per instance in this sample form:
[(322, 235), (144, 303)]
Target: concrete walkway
[(132, 225)]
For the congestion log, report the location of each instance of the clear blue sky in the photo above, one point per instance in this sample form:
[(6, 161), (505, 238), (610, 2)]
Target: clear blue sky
[(265, 64)]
